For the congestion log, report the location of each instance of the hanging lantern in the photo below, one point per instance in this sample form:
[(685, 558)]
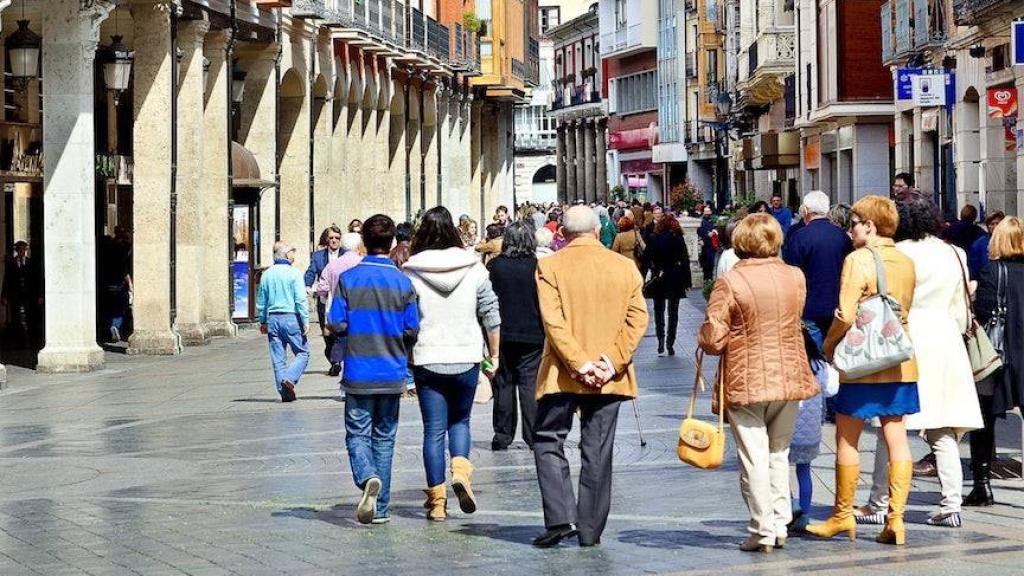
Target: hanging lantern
[(23, 51), (206, 73), (237, 84), (117, 70)]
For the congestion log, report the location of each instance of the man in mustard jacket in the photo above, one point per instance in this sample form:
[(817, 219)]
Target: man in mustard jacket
[(594, 312)]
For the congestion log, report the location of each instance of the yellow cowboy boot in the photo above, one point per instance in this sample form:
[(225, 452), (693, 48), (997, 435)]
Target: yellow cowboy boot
[(900, 475), (462, 471), (842, 513), (437, 503)]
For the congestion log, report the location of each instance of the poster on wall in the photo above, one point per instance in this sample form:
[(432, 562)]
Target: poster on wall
[(1017, 42), (929, 90), (1002, 105)]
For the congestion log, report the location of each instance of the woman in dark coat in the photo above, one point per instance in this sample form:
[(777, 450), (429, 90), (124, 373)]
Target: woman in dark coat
[(669, 262), (1004, 390), (514, 277)]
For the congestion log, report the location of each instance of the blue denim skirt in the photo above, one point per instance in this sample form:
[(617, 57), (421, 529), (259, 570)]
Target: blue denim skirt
[(867, 401)]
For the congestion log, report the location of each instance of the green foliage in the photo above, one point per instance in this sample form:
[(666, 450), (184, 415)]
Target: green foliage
[(471, 22), (685, 196)]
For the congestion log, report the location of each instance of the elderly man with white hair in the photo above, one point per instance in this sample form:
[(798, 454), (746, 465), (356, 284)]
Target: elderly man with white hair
[(587, 366), (327, 286), (283, 314), (818, 249)]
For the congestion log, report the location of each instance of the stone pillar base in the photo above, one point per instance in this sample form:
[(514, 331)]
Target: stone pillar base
[(54, 359), (223, 329), (154, 343), (193, 334), (3, 377)]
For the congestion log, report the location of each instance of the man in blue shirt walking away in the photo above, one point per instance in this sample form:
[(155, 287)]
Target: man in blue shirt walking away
[(284, 317), (375, 306), (782, 213)]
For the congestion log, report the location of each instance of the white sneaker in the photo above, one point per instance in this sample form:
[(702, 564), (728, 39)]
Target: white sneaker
[(115, 335)]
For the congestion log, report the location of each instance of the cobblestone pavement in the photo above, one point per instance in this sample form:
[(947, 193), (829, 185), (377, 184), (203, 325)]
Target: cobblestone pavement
[(190, 465)]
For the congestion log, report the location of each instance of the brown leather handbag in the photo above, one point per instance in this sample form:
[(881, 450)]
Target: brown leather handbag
[(702, 444)]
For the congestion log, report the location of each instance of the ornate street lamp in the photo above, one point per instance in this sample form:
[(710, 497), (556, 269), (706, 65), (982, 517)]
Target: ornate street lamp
[(723, 106), (237, 84), (117, 70), (23, 48)]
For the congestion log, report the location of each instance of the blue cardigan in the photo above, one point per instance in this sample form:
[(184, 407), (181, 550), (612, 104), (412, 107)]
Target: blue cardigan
[(819, 249)]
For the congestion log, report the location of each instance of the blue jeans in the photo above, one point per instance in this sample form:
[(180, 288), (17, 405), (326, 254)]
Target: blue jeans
[(371, 422), (284, 331), (446, 402)]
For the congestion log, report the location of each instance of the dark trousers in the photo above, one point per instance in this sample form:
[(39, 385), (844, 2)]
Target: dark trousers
[(336, 356), (983, 441), (517, 372), (599, 416), (673, 318)]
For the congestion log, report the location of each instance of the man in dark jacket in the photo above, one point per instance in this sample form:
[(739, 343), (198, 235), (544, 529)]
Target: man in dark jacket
[(964, 231), (377, 309), (23, 295), (818, 249), (514, 278), (320, 259)]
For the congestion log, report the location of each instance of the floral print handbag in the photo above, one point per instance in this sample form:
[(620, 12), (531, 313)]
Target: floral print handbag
[(876, 341)]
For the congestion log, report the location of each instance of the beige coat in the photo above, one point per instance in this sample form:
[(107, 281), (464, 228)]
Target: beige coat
[(859, 282), (625, 243), (592, 303), (753, 321)]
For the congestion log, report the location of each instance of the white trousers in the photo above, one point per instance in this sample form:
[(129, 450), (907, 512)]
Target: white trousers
[(946, 447), (763, 432)]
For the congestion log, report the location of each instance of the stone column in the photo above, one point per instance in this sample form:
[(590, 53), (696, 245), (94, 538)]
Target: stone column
[(570, 162), (581, 160), (154, 333), (924, 159), (476, 148), (429, 143), (69, 187), (590, 185), (560, 184), (967, 143), (214, 196), (601, 159), (191, 264)]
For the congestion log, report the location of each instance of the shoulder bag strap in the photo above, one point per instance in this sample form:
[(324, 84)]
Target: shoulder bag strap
[(721, 394), (1001, 291), (879, 274), (967, 291), (698, 382)]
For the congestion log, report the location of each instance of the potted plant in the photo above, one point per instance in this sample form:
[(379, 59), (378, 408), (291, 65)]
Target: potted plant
[(685, 196)]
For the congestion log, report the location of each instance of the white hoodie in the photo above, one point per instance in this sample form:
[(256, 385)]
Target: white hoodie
[(455, 297)]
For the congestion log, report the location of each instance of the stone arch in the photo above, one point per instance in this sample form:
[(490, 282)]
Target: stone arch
[(292, 95), (369, 99), (545, 173)]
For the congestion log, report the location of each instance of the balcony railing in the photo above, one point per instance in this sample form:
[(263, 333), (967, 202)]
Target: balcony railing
[(620, 39), (416, 38), (519, 69), (575, 95), (438, 40), (308, 9), (971, 12), (902, 29), (771, 49)]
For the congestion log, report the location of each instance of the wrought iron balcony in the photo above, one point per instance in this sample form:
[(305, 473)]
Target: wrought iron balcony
[(519, 69), (971, 12), (308, 9), (930, 27), (416, 31), (438, 40)]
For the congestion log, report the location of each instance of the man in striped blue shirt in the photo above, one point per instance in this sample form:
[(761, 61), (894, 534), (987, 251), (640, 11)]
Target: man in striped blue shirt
[(375, 307)]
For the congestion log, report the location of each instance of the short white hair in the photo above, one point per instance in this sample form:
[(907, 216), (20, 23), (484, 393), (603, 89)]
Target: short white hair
[(601, 211), (282, 250), (580, 220), (815, 203), (351, 241), (544, 237)]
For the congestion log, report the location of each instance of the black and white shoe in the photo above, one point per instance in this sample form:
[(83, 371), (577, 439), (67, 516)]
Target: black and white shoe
[(873, 518), (949, 520)]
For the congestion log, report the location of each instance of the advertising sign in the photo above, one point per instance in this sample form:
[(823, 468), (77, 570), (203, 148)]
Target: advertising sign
[(929, 90), (1002, 104), (905, 82)]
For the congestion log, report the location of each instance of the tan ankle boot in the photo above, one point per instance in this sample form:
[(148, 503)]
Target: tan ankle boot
[(437, 503), (900, 475), (462, 472), (842, 513)]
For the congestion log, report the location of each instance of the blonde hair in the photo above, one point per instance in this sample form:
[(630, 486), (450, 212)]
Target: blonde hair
[(1007, 240), (879, 210), (757, 236)]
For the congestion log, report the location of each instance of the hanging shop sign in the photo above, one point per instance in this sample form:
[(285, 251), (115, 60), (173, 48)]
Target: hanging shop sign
[(905, 82), (1017, 42), (1002, 105), (929, 90)]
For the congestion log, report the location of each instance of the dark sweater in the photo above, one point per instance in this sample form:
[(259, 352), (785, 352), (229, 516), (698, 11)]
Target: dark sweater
[(515, 282), (819, 249)]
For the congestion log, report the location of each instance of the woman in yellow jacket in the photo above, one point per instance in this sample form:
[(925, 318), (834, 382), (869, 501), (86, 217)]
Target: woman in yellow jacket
[(889, 394)]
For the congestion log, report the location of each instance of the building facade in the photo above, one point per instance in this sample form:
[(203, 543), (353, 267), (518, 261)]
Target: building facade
[(579, 110), (673, 53), (242, 122), (629, 52), (844, 100), (535, 128)]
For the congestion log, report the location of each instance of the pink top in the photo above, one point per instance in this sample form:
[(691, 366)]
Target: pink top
[(329, 277)]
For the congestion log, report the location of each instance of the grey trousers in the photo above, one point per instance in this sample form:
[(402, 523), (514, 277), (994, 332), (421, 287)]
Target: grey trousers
[(599, 416)]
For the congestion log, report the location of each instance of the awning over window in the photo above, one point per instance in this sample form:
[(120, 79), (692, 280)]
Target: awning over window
[(245, 171)]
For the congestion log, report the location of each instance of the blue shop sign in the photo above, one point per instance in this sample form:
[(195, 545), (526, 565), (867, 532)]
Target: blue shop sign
[(905, 82), (1017, 41)]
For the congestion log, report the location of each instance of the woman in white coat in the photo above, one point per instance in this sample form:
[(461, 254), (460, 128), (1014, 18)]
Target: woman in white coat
[(938, 318)]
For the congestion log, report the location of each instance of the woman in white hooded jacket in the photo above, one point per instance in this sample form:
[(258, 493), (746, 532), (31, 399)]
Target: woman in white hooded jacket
[(457, 308)]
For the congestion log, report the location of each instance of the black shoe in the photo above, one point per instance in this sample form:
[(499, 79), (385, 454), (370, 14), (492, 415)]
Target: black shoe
[(287, 391), (981, 495), (555, 535), (661, 348), (334, 371), (585, 543), (498, 445), (671, 350)]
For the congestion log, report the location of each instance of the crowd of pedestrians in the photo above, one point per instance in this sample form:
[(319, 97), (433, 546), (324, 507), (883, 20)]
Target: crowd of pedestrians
[(850, 307)]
